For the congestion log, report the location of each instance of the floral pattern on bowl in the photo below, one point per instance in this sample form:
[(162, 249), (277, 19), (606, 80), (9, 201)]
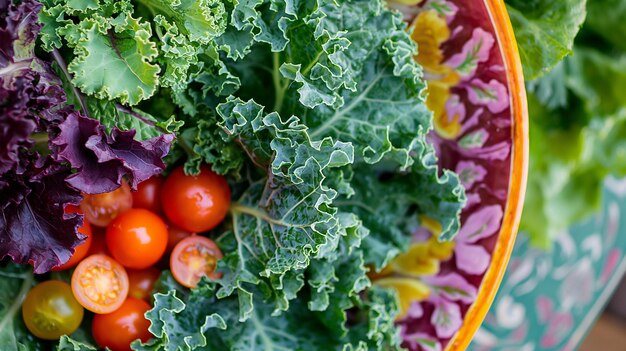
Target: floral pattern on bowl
[(475, 117)]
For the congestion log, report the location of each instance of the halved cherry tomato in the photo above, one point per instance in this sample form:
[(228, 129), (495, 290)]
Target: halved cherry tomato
[(148, 194), (101, 209), (193, 258), (137, 238), (141, 282), (81, 250), (119, 329), (175, 236), (195, 203), (50, 310), (100, 284)]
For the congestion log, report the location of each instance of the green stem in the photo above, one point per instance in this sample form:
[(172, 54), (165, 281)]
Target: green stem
[(280, 86), (61, 62), (181, 141), (13, 310), (306, 70)]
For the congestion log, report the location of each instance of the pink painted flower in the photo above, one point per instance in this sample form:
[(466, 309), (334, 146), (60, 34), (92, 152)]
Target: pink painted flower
[(453, 287), (421, 342), (444, 8), (494, 95), (469, 172), (446, 318), (475, 51), (472, 258)]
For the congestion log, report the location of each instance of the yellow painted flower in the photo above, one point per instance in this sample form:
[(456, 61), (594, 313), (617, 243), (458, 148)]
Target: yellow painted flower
[(409, 290), (421, 260), (408, 2), (430, 31)]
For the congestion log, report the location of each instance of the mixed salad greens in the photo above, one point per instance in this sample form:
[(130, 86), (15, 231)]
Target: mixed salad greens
[(577, 107), (313, 112)]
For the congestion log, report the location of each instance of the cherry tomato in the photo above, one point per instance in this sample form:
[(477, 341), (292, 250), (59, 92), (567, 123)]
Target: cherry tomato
[(148, 194), (50, 310), (81, 250), (98, 242), (117, 330), (175, 236), (193, 258), (137, 238), (101, 209), (100, 284), (195, 203), (141, 282)]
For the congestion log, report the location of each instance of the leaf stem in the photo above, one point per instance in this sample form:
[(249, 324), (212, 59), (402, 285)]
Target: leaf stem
[(26, 284), (280, 86), (61, 62), (129, 111)]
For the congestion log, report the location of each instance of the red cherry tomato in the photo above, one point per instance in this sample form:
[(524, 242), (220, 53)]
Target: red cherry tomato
[(141, 282), (195, 203), (148, 194), (100, 284), (175, 236), (81, 250), (98, 242), (101, 209), (137, 238), (193, 258), (117, 330)]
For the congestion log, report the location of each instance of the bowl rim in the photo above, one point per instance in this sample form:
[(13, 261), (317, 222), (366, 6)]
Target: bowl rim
[(517, 182)]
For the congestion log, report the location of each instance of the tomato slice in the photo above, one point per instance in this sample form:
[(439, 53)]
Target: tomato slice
[(100, 284), (117, 330), (141, 282), (193, 258), (50, 310), (137, 238), (81, 250), (101, 209)]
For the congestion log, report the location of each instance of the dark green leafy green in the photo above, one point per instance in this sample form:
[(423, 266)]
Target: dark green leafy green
[(15, 283), (315, 111)]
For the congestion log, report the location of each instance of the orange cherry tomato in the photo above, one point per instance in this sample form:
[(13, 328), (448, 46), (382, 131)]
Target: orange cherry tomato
[(81, 250), (175, 236), (101, 209), (148, 194), (137, 238), (117, 330), (100, 284), (195, 203), (141, 282), (193, 258)]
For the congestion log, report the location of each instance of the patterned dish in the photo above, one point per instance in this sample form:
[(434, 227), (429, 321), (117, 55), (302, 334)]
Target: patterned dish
[(476, 92)]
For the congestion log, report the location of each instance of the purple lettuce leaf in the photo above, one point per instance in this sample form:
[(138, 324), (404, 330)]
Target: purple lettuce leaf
[(27, 88), (103, 159), (33, 226)]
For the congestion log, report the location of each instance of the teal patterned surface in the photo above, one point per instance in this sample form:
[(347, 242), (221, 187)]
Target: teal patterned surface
[(550, 300)]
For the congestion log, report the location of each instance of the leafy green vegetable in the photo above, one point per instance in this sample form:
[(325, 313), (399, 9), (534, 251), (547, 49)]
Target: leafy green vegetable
[(545, 31), (315, 111), (15, 283), (577, 126)]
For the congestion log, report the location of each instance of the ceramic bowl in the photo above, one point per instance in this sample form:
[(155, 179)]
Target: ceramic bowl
[(476, 91)]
